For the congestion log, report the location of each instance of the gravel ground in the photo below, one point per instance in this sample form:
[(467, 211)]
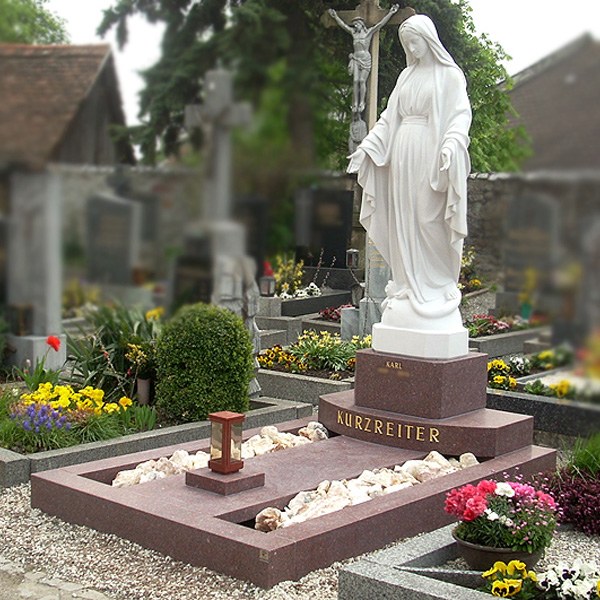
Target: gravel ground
[(110, 567)]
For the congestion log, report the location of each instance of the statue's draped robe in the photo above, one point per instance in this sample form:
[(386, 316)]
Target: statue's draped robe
[(414, 213)]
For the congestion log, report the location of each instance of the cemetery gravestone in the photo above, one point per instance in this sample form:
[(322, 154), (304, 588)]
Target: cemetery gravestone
[(114, 228), (531, 245), (34, 274)]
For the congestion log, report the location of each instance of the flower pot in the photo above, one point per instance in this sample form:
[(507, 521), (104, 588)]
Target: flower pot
[(482, 558), (144, 388)]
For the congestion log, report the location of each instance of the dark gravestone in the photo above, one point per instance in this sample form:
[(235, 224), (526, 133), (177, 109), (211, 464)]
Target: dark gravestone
[(3, 261), (113, 236), (531, 245), (252, 213), (192, 276), (323, 226)]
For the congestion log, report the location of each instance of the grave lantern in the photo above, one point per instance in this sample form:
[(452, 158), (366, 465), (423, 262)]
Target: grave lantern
[(352, 256), (266, 283), (226, 442)]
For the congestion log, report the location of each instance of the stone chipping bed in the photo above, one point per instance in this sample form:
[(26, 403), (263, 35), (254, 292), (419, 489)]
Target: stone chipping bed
[(125, 571)]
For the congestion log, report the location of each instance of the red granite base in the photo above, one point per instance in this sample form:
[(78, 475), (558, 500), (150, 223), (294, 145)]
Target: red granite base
[(429, 388), (203, 528), (484, 432)]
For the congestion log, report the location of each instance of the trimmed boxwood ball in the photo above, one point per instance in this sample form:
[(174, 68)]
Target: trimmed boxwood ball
[(204, 364)]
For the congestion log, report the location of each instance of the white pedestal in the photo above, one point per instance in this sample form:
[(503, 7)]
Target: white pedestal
[(421, 344)]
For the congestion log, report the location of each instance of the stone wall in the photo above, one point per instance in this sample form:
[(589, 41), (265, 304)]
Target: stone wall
[(577, 199), (178, 193)]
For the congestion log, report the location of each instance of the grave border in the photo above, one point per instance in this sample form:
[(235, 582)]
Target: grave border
[(16, 469)]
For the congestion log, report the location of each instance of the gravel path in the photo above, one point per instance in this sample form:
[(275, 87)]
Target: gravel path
[(44, 558)]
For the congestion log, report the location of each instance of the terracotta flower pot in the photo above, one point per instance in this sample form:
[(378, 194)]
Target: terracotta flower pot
[(482, 558), (144, 390)]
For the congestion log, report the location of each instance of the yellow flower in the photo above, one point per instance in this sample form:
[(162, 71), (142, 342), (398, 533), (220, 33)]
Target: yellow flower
[(499, 379), (125, 402), (499, 568), (512, 382), (516, 566), (506, 588), (598, 588), (111, 407), (562, 388), (155, 314)]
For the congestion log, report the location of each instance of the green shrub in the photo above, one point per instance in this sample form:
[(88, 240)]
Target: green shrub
[(204, 363)]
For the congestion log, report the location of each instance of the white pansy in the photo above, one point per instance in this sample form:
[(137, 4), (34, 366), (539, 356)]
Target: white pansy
[(504, 489), (491, 515)]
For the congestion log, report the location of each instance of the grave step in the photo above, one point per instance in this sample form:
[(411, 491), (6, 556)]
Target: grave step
[(272, 337), (536, 345)]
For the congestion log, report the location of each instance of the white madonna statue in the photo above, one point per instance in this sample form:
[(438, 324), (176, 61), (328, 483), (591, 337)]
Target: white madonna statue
[(413, 167)]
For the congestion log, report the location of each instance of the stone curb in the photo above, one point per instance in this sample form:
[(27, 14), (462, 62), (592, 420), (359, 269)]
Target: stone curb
[(409, 571), (16, 469), (299, 388), (502, 344)]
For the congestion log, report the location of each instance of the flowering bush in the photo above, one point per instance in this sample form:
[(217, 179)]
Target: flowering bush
[(504, 514), (288, 275), (481, 325), (317, 352), (277, 355), (579, 580), (333, 313), (468, 280), (551, 359), (57, 416), (76, 405), (561, 389), (99, 359), (511, 580), (499, 375), (40, 374)]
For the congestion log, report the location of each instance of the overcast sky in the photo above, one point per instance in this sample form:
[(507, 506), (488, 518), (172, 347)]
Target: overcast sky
[(528, 30)]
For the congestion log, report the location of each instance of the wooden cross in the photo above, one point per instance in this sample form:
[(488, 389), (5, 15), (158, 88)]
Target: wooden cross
[(371, 13)]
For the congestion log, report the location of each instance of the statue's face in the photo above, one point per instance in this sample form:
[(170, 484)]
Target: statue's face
[(359, 26), (415, 44)]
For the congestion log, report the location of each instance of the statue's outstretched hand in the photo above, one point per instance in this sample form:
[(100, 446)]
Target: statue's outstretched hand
[(394, 8), (445, 159), (356, 160)]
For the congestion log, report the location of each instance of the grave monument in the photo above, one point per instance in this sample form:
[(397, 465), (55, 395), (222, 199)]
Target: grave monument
[(404, 406)]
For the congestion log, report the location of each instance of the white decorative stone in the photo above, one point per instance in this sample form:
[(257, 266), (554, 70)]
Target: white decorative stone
[(330, 496), (270, 439)]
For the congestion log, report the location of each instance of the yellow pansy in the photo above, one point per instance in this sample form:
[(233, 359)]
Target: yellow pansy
[(516, 566), (499, 568), (125, 402)]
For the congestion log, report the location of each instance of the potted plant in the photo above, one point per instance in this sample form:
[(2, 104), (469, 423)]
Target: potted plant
[(501, 521)]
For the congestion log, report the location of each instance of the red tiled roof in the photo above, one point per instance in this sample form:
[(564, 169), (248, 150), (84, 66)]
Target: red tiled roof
[(558, 101), (42, 90)]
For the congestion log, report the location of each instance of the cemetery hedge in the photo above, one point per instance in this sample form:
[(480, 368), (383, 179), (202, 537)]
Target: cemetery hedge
[(204, 364)]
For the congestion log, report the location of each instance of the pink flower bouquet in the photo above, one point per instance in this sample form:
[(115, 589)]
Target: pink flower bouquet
[(504, 514)]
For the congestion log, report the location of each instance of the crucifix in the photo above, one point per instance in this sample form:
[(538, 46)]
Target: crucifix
[(364, 23)]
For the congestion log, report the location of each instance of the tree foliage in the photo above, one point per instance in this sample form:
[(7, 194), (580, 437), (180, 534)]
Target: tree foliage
[(281, 50), (30, 22), (294, 71)]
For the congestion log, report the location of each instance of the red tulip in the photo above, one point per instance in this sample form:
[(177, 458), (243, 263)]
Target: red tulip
[(53, 342)]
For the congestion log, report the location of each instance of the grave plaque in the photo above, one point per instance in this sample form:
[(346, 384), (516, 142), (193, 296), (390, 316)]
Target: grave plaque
[(113, 234), (531, 247), (323, 226)]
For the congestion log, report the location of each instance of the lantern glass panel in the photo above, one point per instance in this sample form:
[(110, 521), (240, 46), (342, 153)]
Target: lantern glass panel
[(236, 441), (216, 440)]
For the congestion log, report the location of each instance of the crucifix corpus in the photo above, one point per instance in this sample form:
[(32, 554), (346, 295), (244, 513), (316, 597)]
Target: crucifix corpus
[(364, 23)]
